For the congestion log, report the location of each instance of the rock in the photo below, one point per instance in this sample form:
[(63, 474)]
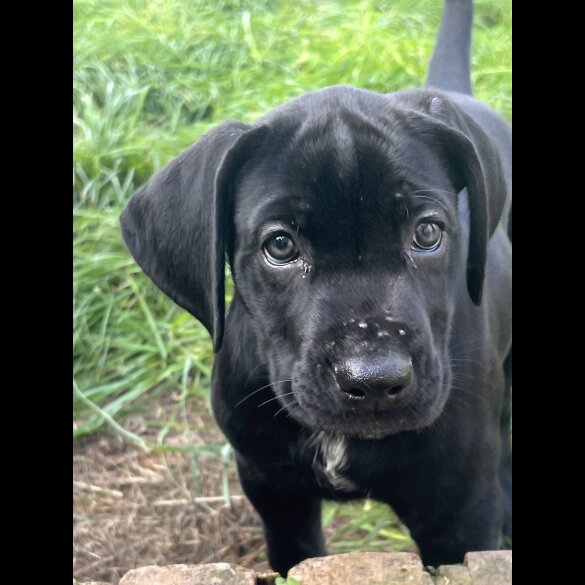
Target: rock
[(492, 567), (76, 582), (266, 577), (208, 574), (373, 568), (453, 575)]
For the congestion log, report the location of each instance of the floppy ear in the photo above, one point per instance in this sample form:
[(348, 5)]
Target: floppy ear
[(177, 226), (473, 163)]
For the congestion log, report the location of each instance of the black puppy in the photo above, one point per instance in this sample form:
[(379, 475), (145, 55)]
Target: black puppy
[(367, 350)]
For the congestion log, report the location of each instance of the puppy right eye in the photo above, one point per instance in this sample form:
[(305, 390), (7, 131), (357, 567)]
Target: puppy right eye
[(280, 249)]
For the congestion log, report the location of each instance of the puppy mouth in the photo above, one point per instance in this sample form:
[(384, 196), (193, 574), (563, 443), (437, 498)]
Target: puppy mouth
[(340, 414), (371, 427)]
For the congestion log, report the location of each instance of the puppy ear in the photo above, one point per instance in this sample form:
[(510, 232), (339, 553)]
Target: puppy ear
[(474, 163), (177, 226)]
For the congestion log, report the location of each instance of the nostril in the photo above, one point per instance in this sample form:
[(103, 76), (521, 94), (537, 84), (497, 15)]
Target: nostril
[(395, 390), (355, 393), (373, 379)]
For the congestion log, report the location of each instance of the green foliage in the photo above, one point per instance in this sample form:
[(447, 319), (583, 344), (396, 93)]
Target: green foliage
[(366, 525), (287, 581), (151, 76), (128, 338)]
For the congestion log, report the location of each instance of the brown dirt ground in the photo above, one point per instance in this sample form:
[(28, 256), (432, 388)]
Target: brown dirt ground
[(133, 508)]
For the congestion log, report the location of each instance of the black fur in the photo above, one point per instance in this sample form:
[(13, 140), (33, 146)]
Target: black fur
[(366, 365)]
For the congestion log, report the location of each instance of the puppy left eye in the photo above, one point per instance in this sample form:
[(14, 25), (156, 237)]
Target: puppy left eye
[(427, 235), (280, 249)]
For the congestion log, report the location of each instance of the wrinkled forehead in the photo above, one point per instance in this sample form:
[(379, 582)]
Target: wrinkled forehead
[(341, 168)]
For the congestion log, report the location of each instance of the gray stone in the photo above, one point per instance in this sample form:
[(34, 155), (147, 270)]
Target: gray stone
[(373, 568), (209, 574), (492, 567)]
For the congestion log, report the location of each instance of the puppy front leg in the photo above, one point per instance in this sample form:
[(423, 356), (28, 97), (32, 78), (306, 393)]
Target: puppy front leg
[(291, 516), (445, 535)]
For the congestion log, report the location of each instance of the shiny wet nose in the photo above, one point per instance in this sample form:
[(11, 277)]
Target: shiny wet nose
[(373, 379)]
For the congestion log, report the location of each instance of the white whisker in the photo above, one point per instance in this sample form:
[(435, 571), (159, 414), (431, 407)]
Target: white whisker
[(275, 398), (260, 389)]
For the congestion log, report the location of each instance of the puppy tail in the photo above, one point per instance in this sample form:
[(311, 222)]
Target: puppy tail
[(450, 66)]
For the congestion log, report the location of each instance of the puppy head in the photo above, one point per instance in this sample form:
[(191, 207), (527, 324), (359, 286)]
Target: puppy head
[(340, 217)]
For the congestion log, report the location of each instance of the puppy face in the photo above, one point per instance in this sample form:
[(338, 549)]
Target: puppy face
[(348, 256), (340, 215)]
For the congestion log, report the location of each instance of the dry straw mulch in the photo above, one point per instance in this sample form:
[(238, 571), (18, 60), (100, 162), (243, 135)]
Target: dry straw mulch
[(134, 508)]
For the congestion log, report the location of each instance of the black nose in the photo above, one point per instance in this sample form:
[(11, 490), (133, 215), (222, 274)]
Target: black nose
[(373, 379)]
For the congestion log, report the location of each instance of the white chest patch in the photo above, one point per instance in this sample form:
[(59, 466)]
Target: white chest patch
[(330, 461)]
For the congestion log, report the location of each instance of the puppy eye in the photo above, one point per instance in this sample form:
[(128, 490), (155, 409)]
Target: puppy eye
[(427, 235), (280, 249)]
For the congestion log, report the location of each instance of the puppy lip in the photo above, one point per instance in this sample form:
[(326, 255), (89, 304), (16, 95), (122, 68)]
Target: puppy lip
[(369, 425), (344, 414), (380, 428)]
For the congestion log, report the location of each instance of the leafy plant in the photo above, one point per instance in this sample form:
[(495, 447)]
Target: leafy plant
[(287, 581)]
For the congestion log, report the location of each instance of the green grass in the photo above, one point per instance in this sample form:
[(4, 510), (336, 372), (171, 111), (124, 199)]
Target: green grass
[(128, 339), (152, 76)]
